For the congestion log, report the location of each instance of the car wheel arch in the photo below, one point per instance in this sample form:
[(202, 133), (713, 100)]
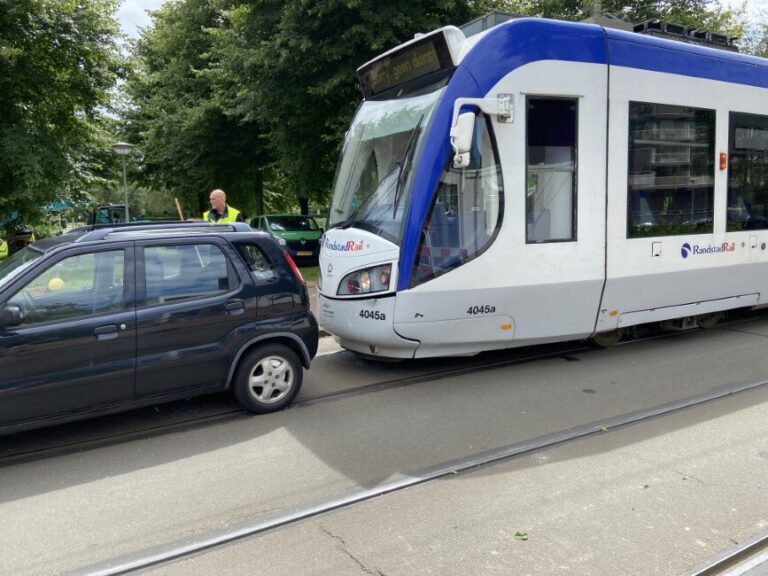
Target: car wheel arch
[(286, 338)]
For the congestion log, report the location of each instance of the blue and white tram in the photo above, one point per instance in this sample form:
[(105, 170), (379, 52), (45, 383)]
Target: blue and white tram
[(545, 181)]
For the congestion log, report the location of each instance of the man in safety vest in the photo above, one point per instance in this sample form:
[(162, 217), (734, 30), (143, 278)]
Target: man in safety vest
[(220, 211), (3, 249)]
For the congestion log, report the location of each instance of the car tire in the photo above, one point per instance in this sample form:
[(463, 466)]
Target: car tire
[(268, 378)]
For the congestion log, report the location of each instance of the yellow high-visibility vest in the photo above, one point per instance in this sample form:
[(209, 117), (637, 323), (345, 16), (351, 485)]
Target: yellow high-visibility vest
[(231, 216)]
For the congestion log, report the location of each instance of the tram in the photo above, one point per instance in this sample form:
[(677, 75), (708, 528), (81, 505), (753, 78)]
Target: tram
[(545, 181)]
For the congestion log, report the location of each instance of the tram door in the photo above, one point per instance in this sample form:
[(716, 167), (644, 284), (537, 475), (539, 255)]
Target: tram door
[(555, 163), (513, 251)]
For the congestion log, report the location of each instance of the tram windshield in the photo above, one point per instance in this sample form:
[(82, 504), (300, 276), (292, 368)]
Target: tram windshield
[(371, 189)]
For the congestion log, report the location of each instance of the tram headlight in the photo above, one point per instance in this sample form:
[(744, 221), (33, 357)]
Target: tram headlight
[(366, 281)]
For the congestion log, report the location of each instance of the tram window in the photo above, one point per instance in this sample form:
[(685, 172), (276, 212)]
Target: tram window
[(550, 206), (748, 172), (671, 170), (466, 211)]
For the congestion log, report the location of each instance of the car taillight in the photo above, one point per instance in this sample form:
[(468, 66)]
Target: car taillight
[(294, 268)]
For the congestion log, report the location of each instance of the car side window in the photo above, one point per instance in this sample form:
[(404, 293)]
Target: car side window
[(173, 273), (75, 287), (262, 270)]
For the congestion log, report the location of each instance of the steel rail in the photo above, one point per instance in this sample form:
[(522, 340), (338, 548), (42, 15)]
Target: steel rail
[(174, 551), (563, 349), (237, 413), (737, 560)]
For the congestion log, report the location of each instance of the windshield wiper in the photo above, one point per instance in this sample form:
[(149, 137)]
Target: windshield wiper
[(402, 165)]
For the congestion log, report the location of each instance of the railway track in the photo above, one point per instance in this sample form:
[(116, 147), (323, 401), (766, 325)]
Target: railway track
[(175, 551), (50, 444), (749, 558)]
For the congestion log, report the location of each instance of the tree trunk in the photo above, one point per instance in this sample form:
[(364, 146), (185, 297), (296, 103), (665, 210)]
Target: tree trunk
[(258, 191)]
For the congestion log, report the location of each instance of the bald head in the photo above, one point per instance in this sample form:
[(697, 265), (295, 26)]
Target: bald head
[(218, 200)]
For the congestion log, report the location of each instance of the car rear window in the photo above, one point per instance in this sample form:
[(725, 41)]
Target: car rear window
[(262, 270)]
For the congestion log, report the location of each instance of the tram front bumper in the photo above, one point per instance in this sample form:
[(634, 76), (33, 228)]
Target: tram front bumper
[(365, 326)]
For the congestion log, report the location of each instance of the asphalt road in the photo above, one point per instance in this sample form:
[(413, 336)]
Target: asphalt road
[(652, 498)]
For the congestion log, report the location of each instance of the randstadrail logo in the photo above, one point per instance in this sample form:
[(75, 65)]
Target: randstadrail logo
[(695, 250), (348, 246)]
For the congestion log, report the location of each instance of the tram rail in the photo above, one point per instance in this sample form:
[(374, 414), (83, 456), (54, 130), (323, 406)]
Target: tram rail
[(739, 560), (486, 361), (187, 547), (235, 413)]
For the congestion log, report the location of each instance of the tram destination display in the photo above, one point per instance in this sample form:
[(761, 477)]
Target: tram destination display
[(422, 58)]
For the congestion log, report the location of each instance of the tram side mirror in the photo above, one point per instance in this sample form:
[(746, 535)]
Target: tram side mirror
[(461, 139)]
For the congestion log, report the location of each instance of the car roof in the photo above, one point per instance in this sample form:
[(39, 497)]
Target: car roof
[(96, 233)]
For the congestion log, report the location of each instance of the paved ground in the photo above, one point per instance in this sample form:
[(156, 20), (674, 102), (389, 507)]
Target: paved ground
[(654, 498), (650, 499)]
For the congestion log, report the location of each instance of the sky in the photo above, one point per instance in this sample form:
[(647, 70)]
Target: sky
[(753, 6), (132, 15)]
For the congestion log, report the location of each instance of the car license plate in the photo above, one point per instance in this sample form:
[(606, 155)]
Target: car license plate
[(304, 253)]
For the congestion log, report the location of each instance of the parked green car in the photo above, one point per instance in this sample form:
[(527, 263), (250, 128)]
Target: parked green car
[(299, 234)]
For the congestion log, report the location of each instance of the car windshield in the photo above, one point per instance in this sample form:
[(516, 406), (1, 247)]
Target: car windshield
[(16, 263), (292, 223), (371, 188)]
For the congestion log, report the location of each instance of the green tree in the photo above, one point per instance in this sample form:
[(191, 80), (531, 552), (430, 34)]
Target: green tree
[(190, 143), (293, 65), (756, 38), (702, 14), (58, 61)]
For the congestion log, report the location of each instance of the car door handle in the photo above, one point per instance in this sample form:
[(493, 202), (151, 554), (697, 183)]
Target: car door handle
[(106, 332), (235, 308)]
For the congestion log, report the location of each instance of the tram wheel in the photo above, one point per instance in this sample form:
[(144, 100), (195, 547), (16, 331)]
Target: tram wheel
[(370, 358), (708, 321), (606, 339), (268, 378)]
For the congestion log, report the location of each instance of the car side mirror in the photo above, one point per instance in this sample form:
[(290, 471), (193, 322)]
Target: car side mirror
[(461, 139), (10, 316)]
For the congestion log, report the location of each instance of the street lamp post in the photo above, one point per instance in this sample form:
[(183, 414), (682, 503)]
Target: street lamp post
[(123, 149)]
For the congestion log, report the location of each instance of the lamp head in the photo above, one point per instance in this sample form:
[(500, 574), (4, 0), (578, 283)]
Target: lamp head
[(122, 148)]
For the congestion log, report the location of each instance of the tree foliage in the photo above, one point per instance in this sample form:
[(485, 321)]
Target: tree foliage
[(252, 96), (58, 60), (300, 59), (272, 84), (190, 144), (756, 37)]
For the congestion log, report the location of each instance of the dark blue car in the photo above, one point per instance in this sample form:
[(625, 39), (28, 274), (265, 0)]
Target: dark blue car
[(117, 317)]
